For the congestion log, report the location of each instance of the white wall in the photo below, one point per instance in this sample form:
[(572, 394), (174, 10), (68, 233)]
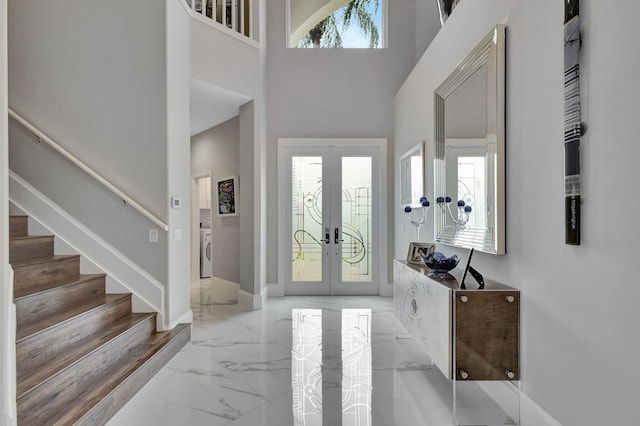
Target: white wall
[(178, 164), (92, 76), (7, 315), (217, 150), (427, 24), (247, 187), (226, 62), (579, 315), (331, 93)]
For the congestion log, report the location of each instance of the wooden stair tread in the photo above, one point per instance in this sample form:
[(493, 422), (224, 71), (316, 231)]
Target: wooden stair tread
[(41, 288), (77, 351), (30, 237), (81, 353), (59, 317), (29, 262), (116, 375)]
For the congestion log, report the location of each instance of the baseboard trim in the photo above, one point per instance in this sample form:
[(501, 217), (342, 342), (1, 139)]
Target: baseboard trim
[(227, 282), (264, 295), (386, 290), (253, 301), (186, 318), (275, 290)]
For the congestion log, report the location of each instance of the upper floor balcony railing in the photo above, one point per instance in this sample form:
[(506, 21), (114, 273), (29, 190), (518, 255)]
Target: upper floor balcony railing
[(233, 14)]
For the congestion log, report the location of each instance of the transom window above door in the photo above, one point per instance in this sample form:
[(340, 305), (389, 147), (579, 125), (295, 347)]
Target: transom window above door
[(336, 23)]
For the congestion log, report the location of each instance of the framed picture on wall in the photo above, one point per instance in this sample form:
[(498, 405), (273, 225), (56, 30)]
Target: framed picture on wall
[(227, 196)]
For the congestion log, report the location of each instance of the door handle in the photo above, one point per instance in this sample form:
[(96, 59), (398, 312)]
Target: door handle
[(326, 240), (336, 235)]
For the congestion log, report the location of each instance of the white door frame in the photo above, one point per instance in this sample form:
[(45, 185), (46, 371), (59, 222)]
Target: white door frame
[(379, 258)]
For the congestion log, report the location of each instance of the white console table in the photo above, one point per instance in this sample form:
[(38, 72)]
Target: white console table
[(469, 334)]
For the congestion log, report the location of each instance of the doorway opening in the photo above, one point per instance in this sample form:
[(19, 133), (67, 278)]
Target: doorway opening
[(206, 287)]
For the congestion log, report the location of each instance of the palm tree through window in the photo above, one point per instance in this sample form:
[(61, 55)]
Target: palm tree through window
[(357, 24)]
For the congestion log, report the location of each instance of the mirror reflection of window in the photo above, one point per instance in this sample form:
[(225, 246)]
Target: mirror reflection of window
[(416, 178), (412, 176), (336, 23), (471, 189), (466, 178), (465, 133)]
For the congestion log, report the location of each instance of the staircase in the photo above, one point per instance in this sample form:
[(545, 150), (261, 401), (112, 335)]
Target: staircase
[(81, 354)]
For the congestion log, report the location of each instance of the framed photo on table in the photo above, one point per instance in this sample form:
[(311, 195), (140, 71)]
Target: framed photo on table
[(419, 250), (227, 190)]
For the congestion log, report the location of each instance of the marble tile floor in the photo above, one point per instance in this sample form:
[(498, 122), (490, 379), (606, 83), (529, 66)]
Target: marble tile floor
[(299, 361), (213, 291)]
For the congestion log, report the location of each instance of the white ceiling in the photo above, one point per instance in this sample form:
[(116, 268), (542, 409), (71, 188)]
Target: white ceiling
[(211, 105)]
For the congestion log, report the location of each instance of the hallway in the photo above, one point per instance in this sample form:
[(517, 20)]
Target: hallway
[(237, 370)]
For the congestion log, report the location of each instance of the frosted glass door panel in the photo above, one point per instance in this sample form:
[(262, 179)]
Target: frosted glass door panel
[(306, 219), (357, 221), (330, 195)]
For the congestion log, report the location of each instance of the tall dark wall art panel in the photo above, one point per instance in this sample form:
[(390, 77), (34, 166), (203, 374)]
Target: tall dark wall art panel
[(573, 127)]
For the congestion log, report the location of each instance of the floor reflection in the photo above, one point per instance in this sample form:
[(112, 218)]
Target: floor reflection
[(306, 366), (356, 367), (299, 361), (307, 361)]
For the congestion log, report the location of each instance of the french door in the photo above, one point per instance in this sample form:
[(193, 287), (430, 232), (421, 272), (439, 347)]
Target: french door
[(331, 237)]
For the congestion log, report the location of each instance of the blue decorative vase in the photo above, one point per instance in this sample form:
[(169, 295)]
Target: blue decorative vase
[(439, 263)]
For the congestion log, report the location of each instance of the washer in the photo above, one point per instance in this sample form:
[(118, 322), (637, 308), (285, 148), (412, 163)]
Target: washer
[(205, 253)]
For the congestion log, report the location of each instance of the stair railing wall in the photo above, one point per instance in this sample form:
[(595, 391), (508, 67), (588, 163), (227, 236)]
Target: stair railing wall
[(124, 197)]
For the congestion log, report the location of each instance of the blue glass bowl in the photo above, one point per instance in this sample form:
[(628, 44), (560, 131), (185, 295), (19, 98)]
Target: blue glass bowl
[(439, 263)]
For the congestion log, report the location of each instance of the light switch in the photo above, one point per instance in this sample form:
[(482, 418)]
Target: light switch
[(153, 235), (177, 235)]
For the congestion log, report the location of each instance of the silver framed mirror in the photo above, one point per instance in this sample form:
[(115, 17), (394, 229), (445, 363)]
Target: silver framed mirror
[(412, 176), (469, 150)]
